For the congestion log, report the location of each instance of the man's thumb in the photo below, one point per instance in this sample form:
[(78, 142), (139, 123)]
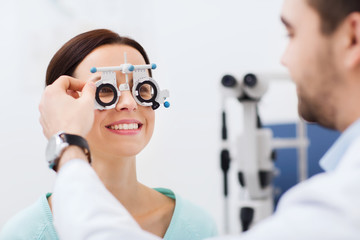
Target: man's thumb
[(89, 90)]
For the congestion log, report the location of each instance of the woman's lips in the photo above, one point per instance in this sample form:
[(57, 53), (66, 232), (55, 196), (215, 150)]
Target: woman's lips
[(125, 127)]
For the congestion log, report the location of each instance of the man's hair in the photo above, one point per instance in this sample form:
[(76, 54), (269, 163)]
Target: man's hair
[(333, 12)]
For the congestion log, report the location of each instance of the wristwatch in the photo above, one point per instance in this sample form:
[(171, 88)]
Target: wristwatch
[(59, 142)]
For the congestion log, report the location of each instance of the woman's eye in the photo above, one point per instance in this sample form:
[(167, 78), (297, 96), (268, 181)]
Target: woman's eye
[(144, 89), (105, 90), (146, 92)]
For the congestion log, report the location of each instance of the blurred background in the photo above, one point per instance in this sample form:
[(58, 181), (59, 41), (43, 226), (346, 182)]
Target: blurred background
[(193, 43)]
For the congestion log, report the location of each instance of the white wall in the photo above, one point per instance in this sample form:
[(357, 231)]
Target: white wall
[(194, 43)]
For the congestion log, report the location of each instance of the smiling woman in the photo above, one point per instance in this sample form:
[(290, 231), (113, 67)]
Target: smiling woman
[(116, 137)]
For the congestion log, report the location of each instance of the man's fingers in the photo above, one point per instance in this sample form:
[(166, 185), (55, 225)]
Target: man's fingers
[(94, 78), (73, 93), (69, 83), (88, 91)]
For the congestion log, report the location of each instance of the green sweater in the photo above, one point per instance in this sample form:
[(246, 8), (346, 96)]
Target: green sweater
[(36, 223)]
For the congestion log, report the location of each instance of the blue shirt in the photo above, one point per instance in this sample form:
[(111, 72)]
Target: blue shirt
[(36, 222)]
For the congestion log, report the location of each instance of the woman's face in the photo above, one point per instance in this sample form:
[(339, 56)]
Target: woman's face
[(126, 129)]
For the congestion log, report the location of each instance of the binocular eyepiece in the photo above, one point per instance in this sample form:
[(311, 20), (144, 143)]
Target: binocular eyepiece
[(250, 86), (249, 80)]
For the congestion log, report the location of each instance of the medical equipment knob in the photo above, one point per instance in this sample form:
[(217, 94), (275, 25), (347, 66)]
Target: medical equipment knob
[(228, 81), (250, 80), (246, 217)]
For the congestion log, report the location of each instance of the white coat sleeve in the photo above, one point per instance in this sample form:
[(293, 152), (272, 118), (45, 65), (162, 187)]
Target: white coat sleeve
[(84, 209)]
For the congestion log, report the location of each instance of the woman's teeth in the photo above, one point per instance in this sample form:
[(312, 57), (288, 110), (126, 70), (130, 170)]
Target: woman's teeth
[(124, 126)]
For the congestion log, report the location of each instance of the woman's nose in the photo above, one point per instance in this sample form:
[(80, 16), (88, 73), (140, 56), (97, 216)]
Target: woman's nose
[(126, 102)]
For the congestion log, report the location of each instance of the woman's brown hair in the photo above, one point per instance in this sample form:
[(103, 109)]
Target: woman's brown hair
[(71, 54)]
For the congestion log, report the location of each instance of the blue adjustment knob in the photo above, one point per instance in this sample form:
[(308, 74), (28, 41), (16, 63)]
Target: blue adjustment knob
[(166, 104), (93, 70), (153, 66)]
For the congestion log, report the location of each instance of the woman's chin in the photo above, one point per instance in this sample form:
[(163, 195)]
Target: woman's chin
[(127, 151)]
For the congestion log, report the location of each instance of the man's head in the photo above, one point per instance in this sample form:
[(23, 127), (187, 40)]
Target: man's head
[(333, 12), (323, 57)]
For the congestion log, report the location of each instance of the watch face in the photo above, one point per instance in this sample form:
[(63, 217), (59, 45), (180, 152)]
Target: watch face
[(54, 148), (51, 148)]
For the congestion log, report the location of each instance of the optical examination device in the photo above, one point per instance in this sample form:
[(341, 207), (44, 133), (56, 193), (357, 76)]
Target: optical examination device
[(145, 89), (254, 152)]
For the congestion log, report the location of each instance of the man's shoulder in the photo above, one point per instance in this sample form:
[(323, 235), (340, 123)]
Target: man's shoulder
[(33, 222)]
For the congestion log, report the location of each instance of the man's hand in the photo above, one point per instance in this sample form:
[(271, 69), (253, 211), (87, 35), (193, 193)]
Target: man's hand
[(62, 108)]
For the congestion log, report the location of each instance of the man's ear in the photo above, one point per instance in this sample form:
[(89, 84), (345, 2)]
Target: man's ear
[(352, 23)]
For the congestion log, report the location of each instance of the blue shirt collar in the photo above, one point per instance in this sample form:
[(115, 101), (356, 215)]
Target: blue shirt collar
[(332, 157)]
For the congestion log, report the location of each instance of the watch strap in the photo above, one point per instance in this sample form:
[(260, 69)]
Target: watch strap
[(70, 140), (77, 140)]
